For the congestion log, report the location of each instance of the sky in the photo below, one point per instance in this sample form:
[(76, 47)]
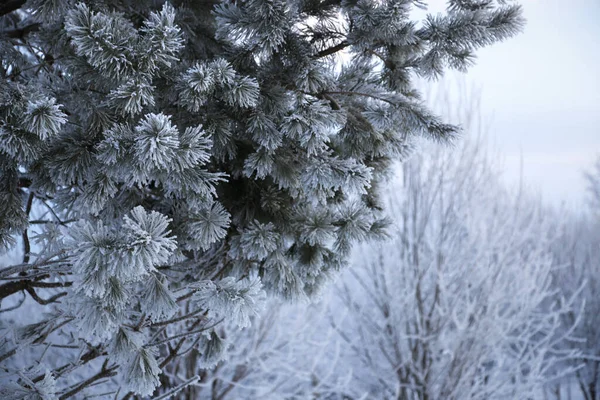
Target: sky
[(541, 93)]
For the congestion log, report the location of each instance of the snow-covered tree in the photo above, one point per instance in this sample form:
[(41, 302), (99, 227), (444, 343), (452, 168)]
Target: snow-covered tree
[(459, 305), (164, 164), (593, 178), (289, 352), (577, 257)]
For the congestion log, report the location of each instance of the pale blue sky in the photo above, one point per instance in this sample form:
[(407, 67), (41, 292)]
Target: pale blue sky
[(542, 91)]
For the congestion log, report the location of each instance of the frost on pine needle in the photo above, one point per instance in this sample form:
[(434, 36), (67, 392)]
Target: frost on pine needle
[(156, 141), (259, 240), (212, 350), (157, 302), (44, 118), (23, 388), (229, 298), (147, 238), (207, 226), (165, 165), (126, 344), (142, 371)]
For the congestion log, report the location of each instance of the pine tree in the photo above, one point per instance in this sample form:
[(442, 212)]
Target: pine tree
[(163, 166)]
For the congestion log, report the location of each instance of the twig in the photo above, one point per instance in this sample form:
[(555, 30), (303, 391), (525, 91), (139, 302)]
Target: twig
[(184, 335), (351, 93), (51, 284), (41, 221), (20, 33), (172, 354), (24, 267), (26, 244), (104, 373), (87, 357), (178, 388), (185, 296), (8, 354), (334, 49), (178, 319), (63, 346), (19, 304), (41, 301), (53, 212)]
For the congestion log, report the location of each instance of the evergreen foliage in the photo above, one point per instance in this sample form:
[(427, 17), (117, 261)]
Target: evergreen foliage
[(175, 161)]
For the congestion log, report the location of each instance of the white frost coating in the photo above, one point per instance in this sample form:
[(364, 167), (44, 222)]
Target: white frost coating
[(231, 299), (171, 159)]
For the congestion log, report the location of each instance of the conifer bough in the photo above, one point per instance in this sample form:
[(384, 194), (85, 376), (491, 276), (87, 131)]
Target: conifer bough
[(164, 166)]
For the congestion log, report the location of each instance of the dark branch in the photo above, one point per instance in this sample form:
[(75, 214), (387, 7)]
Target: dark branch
[(104, 373), (353, 93), (13, 269), (8, 354), (41, 301), (334, 49), (43, 222), (20, 33), (87, 357), (51, 284), (24, 182), (9, 6), (183, 317), (26, 245), (8, 289)]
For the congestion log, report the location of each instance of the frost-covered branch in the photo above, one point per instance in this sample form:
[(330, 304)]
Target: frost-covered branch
[(168, 166)]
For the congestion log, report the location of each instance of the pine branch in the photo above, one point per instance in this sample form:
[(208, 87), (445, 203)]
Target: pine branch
[(51, 284), (182, 318), (8, 289), (184, 335), (89, 356), (185, 296), (54, 213), (20, 33), (334, 49), (41, 301), (173, 353), (177, 389), (11, 288), (146, 182), (354, 93), (12, 352), (44, 222), (14, 269), (26, 244), (105, 372), (8, 354)]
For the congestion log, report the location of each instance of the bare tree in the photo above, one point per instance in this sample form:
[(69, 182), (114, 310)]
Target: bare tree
[(593, 178), (577, 253), (289, 351), (459, 305)]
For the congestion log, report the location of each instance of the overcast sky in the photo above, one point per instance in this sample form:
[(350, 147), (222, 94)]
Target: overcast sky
[(542, 92)]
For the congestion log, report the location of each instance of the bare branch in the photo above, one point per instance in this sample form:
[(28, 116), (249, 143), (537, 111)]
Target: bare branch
[(105, 372), (334, 49)]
